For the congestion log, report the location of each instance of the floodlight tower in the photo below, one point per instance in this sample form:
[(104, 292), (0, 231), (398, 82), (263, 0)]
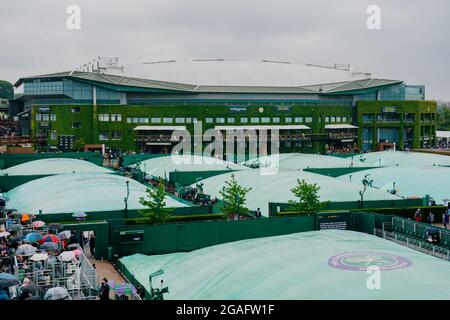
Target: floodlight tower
[(155, 293)]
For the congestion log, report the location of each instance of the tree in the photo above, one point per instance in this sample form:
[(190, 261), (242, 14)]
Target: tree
[(443, 119), (234, 197), (155, 202), (6, 90), (78, 145), (308, 198)]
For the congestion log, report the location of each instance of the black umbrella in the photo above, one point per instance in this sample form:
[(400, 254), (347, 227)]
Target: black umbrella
[(8, 280), (33, 288)]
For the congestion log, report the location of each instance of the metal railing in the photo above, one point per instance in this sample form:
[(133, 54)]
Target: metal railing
[(414, 244)]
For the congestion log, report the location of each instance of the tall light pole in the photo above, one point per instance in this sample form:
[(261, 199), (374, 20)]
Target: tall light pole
[(126, 198)]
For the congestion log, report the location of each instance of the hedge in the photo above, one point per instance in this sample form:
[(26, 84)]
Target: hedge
[(212, 216), (400, 212)]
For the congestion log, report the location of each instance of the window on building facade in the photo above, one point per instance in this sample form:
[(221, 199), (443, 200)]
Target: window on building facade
[(327, 119), (254, 120), (344, 119), (76, 125), (338, 119), (367, 117), (135, 120), (116, 117), (38, 117), (209, 120), (244, 120), (188, 120), (332, 119), (288, 119), (298, 119), (231, 120), (143, 120), (194, 120), (116, 135), (45, 117), (308, 119), (53, 135), (276, 119), (103, 136), (156, 120), (103, 117), (76, 109), (129, 120), (220, 120), (265, 120), (180, 120), (167, 120)]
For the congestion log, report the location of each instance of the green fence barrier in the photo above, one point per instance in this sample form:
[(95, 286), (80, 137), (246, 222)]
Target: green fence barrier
[(187, 178), (10, 182), (10, 160), (178, 237)]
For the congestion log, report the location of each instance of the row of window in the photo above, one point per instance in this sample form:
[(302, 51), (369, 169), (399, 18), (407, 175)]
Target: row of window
[(115, 117), (45, 117), (166, 120), (113, 135), (182, 120)]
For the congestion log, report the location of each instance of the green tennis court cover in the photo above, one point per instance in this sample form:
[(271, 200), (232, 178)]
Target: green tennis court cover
[(310, 265)]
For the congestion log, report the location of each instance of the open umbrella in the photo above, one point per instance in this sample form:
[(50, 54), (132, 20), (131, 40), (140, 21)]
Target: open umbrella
[(17, 238), (14, 227), (63, 235), (4, 234), (33, 237), (50, 238), (57, 293), (25, 250), (38, 224), (39, 257), (8, 280), (66, 256), (49, 246), (79, 215), (25, 217)]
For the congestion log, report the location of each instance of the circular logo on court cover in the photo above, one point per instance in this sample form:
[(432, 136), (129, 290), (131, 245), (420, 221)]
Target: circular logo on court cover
[(361, 260)]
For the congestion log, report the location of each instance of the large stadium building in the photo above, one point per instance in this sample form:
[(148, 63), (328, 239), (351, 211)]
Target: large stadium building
[(136, 107)]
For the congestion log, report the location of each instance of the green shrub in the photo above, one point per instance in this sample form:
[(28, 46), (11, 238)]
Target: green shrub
[(199, 217)]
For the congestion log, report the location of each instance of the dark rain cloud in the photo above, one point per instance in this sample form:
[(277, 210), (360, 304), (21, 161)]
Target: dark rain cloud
[(412, 44)]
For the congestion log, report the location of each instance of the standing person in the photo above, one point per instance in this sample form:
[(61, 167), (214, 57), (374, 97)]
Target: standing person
[(431, 217), (258, 213), (417, 215), (73, 237), (445, 218), (92, 244), (103, 293)]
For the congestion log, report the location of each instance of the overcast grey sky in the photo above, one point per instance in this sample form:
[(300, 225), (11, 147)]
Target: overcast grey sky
[(413, 43)]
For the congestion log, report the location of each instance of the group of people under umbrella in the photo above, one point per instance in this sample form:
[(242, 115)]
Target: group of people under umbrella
[(27, 246)]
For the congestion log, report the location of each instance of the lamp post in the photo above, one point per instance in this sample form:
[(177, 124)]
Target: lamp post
[(126, 198)]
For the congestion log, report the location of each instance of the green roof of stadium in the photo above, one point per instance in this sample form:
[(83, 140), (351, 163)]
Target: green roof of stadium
[(122, 83), (309, 265)]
